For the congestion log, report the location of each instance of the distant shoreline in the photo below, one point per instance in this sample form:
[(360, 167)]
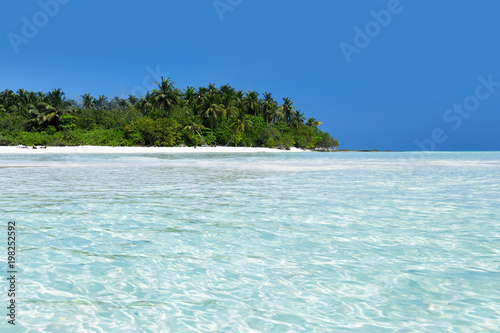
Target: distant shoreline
[(156, 150), (139, 150)]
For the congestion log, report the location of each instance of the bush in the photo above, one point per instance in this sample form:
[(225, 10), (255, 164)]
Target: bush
[(311, 144), (209, 137), (39, 138), (162, 132), (6, 139), (257, 136), (326, 141), (222, 131), (10, 122), (67, 123), (97, 137), (286, 141), (302, 135)]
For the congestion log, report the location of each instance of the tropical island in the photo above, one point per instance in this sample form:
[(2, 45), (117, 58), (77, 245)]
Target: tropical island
[(164, 117)]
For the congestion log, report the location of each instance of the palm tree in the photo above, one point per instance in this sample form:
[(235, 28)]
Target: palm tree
[(287, 109), (213, 111), (297, 119), (22, 95), (241, 123), (227, 90), (73, 103), (101, 102), (227, 94), (123, 103), (211, 108), (212, 88), (51, 110), (230, 110), (238, 97), (88, 101), (195, 128), (201, 93), (132, 100), (251, 103), (24, 102), (2, 103), (313, 123), (8, 97), (56, 99), (166, 96), (270, 108), (189, 96), (145, 104), (267, 105), (275, 113)]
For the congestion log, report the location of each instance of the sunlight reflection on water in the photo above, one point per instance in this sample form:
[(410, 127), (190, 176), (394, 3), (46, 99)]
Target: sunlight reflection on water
[(256, 242)]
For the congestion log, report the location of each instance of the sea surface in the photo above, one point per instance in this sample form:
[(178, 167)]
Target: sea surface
[(263, 242)]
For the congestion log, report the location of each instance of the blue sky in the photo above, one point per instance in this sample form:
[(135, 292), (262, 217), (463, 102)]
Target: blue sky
[(378, 74)]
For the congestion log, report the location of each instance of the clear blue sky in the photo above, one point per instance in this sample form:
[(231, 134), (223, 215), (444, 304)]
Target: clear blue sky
[(402, 81)]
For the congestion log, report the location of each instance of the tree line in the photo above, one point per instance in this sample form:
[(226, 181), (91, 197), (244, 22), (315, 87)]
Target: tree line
[(165, 116)]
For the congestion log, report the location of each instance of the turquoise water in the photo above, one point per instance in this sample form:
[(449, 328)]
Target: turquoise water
[(307, 242)]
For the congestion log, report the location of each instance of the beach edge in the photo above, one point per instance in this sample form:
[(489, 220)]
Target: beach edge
[(140, 150)]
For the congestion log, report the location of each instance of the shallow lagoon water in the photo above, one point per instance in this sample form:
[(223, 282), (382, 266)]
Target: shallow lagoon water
[(361, 242)]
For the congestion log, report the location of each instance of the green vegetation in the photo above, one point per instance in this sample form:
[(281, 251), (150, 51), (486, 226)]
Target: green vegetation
[(164, 117)]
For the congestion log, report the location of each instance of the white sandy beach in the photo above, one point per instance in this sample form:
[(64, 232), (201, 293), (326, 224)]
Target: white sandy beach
[(139, 150)]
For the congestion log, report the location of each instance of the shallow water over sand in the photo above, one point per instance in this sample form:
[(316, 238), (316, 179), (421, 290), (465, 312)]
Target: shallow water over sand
[(368, 242)]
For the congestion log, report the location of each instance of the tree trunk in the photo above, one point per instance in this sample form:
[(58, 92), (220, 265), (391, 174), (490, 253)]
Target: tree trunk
[(206, 144), (230, 139), (310, 136)]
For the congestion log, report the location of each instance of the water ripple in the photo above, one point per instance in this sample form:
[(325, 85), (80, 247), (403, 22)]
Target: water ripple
[(256, 242)]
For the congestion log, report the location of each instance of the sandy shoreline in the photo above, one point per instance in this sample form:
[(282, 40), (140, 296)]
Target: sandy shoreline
[(139, 150)]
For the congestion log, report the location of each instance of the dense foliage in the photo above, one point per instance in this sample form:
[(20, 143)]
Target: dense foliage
[(165, 116)]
